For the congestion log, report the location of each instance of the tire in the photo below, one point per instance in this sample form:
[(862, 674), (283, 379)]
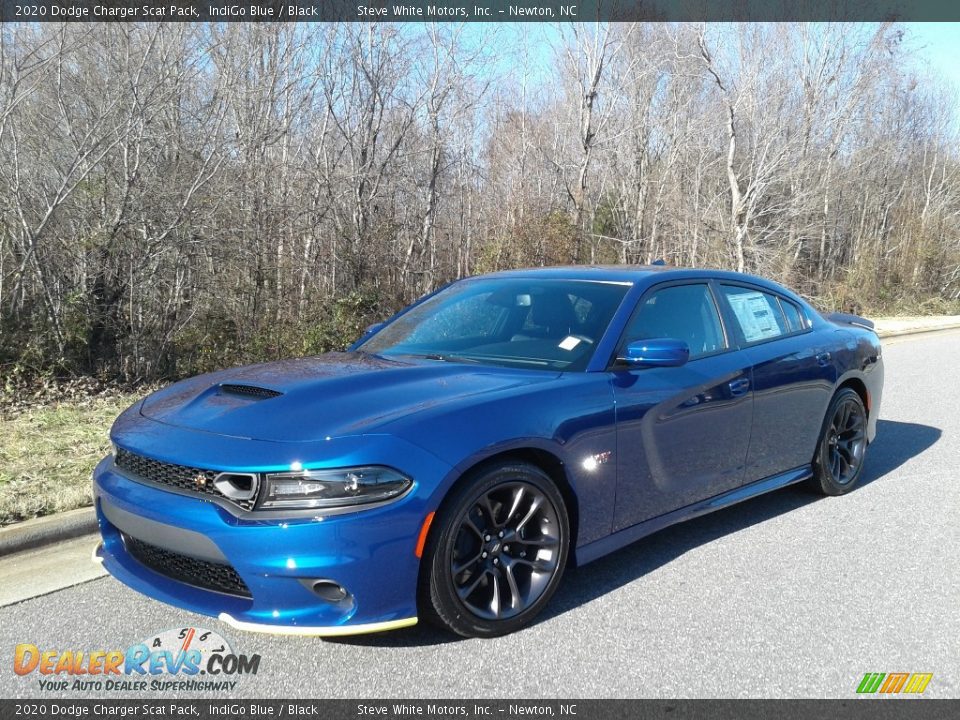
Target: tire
[(498, 553), (842, 447)]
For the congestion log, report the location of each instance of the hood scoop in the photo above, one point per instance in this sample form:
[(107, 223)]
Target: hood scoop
[(250, 391)]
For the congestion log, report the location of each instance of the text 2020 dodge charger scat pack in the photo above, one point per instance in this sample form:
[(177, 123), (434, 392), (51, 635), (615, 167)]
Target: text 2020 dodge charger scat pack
[(460, 455)]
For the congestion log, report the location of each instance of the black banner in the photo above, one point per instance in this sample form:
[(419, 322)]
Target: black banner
[(858, 709), (475, 10)]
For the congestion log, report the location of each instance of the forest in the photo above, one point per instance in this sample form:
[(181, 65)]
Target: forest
[(180, 197)]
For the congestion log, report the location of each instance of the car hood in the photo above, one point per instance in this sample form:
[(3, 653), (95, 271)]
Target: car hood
[(332, 395)]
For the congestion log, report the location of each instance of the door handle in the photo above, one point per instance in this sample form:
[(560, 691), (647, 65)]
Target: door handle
[(823, 359), (739, 386)]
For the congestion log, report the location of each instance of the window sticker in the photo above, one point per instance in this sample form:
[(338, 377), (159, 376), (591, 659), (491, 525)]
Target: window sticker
[(569, 342), (755, 315)]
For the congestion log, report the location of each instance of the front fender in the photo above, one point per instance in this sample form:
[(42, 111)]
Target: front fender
[(576, 430)]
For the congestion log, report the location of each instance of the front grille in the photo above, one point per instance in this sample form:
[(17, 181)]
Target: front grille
[(250, 390), (183, 568), (176, 476)]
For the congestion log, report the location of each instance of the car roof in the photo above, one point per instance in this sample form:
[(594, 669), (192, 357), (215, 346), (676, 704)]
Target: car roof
[(634, 274)]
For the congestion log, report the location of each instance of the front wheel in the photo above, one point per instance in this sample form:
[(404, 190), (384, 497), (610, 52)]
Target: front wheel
[(499, 552), (838, 462)]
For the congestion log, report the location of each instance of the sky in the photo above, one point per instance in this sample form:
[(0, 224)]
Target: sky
[(935, 43), (939, 43)]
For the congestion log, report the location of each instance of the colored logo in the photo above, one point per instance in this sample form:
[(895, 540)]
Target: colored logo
[(893, 683), (183, 653)]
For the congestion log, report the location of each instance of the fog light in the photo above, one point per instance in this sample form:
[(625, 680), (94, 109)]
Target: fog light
[(327, 590)]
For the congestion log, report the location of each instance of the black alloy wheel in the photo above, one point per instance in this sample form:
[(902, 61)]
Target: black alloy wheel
[(843, 445), (499, 553)]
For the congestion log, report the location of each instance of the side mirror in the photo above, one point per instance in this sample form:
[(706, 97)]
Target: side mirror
[(655, 352)]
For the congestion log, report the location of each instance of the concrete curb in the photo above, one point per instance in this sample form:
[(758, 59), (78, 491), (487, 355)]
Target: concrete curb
[(897, 332), (74, 523), (31, 534)]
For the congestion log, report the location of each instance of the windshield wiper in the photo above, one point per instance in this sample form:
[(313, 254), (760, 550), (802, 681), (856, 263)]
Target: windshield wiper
[(443, 358), (367, 353)]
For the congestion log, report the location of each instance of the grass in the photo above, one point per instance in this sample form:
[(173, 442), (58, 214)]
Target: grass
[(47, 453)]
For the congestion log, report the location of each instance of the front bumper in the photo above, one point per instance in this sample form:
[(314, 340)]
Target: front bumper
[(370, 553)]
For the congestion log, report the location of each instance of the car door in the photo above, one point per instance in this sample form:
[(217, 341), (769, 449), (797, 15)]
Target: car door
[(682, 432), (793, 377)]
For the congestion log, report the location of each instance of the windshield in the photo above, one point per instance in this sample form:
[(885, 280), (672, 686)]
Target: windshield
[(516, 322)]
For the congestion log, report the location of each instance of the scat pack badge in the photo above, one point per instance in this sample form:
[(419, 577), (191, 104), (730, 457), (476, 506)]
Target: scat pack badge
[(181, 659)]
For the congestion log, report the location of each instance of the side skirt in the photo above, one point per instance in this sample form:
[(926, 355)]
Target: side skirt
[(604, 546)]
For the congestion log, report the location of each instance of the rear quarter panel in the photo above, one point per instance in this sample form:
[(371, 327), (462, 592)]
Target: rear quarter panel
[(859, 356)]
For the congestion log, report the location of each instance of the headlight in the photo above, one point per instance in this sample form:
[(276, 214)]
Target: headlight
[(332, 488)]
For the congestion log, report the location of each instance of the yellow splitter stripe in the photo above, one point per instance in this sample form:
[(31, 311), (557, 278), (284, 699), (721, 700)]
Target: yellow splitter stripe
[(328, 631)]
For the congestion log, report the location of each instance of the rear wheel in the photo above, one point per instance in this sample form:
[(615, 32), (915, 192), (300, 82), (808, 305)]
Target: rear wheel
[(838, 462), (499, 554)]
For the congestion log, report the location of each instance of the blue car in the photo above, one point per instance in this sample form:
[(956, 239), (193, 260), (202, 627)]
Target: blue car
[(453, 462)]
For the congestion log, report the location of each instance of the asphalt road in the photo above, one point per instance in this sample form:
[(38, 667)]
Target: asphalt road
[(787, 595)]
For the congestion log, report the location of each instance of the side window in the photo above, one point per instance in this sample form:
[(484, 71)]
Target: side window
[(794, 320), (683, 312), (758, 313)]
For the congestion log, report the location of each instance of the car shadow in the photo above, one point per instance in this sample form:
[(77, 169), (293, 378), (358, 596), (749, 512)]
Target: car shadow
[(896, 443)]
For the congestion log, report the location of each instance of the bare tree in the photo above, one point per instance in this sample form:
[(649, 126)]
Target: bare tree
[(176, 197)]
